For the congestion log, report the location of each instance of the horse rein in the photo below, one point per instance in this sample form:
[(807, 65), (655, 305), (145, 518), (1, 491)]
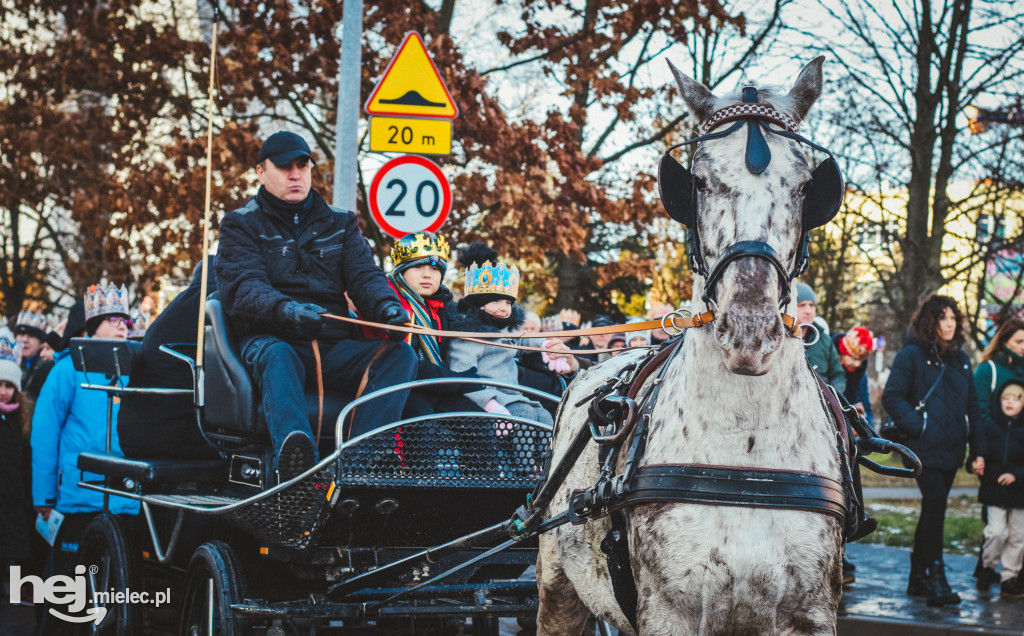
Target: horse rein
[(673, 323)]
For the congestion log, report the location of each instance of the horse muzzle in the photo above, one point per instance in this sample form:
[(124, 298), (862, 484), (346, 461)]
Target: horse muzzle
[(749, 338)]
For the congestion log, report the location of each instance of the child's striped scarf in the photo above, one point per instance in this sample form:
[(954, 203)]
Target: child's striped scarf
[(430, 345)]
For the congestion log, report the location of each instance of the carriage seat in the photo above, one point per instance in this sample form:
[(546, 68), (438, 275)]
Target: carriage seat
[(154, 470), (232, 399)]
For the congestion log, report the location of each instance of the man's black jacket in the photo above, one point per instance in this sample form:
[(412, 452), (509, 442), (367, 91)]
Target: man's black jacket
[(266, 259)]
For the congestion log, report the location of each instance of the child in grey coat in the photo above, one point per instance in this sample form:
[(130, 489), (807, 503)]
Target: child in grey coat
[(490, 305)]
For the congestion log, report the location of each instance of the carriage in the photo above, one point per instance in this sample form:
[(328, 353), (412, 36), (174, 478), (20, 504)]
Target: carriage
[(326, 551), (719, 505)]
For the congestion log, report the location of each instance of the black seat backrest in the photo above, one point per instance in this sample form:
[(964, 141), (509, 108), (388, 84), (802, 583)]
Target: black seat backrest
[(105, 356), (231, 398)]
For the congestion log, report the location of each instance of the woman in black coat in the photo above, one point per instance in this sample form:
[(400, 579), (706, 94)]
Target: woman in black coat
[(930, 396)]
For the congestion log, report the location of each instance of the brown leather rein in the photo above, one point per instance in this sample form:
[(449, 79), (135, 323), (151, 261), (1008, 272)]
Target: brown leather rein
[(676, 322)]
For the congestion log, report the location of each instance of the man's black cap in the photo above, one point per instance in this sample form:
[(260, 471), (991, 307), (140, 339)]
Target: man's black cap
[(283, 147)]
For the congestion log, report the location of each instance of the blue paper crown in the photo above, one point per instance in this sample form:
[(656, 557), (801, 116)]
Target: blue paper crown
[(140, 322), (488, 279), (32, 320), (10, 348)]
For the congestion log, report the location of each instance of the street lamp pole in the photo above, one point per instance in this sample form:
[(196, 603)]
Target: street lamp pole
[(346, 137)]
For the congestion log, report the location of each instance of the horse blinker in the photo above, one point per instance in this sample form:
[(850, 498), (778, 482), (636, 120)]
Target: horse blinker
[(824, 196), (675, 186)]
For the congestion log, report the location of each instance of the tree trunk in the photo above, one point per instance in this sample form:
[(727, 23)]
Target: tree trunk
[(568, 273)]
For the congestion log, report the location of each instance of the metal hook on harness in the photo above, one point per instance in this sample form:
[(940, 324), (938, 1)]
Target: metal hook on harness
[(621, 410), (671, 318), (817, 333)]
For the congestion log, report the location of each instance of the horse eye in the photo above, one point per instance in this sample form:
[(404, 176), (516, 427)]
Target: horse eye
[(805, 187), (700, 184)]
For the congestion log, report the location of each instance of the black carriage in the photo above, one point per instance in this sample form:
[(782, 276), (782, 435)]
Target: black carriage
[(339, 549)]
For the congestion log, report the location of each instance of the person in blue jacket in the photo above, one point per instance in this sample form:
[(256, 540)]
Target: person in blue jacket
[(69, 420), (930, 396)]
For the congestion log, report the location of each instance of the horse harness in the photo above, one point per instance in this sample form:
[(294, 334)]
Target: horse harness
[(620, 411)]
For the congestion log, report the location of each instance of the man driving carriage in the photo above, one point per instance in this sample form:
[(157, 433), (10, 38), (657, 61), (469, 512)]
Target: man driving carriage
[(285, 258)]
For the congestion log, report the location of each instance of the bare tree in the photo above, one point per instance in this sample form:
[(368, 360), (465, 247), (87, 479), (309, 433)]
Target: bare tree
[(908, 69)]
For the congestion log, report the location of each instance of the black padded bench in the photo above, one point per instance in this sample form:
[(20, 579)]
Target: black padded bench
[(154, 470)]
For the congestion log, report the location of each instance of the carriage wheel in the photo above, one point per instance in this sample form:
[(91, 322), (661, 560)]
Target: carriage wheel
[(104, 551), (214, 583)]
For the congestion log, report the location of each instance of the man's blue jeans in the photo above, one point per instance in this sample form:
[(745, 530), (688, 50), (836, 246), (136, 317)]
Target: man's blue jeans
[(280, 369)]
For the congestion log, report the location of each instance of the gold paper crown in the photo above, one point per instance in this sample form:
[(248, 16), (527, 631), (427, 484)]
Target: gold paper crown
[(488, 279), (100, 301), (419, 245)]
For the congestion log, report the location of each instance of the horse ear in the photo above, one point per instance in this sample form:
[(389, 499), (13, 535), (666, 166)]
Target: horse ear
[(675, 185), (807, 87), (825, 195), (699, 99)]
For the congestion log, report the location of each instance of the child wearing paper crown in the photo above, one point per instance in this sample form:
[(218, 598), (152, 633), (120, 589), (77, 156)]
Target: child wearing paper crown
[(420, 261), (489, 304), (70, 420), (1001, 471), (15, 524)]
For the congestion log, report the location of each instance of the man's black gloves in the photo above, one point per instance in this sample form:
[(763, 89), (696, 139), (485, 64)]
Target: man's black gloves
[(394, 314), (304, 319)]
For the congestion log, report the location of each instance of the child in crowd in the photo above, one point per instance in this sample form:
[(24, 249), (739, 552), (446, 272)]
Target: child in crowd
[(69, 420), (490, 305), (15, 524), (1001, 471)]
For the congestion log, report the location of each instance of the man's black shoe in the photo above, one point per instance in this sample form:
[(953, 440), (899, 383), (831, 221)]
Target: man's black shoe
[(297, 455)]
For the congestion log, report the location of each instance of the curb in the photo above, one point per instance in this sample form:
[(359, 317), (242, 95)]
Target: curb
[(871, 626)]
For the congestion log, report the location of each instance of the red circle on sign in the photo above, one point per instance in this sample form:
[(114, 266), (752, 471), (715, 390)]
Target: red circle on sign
[(406, 176)]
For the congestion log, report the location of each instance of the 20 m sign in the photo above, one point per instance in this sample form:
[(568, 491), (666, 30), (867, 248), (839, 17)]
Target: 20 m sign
[(410, 194)]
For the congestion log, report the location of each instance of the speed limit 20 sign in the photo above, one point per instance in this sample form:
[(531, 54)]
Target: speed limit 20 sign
[(410, 194)]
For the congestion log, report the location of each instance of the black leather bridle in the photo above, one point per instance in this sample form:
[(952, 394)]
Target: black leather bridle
[(823, 194)]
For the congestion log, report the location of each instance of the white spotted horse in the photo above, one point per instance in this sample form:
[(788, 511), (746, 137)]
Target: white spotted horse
[(711, 484)]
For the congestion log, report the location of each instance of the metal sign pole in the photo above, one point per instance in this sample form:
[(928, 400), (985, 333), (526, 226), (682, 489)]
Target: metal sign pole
[(346, 137)]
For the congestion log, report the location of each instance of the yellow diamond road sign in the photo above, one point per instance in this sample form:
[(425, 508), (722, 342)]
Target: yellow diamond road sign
[(407, 134), (411, 86)]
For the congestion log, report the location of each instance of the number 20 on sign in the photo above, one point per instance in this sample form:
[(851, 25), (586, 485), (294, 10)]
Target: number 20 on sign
[(410, 194)]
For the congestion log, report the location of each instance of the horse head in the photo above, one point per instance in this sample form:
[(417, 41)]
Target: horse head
[(749, 200)]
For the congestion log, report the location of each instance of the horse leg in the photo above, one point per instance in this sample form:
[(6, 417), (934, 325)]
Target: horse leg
[(561, 612)]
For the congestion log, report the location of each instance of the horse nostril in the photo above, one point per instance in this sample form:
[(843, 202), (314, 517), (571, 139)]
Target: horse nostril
[(727, 343)]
